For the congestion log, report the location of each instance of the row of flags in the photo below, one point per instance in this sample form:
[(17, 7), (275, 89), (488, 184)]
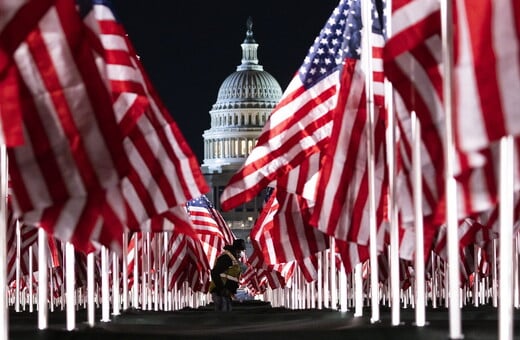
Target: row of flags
[(92, 149), (94, 152), (332, 122)]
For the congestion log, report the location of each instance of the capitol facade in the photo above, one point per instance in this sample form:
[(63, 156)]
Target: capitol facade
[(244, 101)]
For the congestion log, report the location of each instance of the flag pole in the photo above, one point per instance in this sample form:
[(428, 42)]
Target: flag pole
[(451, 185), (320, 280), (4, 333), (506, 185), (369, 91), (116, 298), (326, 279), (18, 268), (165, 272), (42, 279), (69, 285), (135, 286), (31, 296), (392, 204), (420, 304), (358, 286), (90, 289), (125, 270), (333, 275), (105, 293)]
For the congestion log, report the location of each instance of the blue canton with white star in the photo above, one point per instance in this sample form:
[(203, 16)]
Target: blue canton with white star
[(201, 201), (338, 40)]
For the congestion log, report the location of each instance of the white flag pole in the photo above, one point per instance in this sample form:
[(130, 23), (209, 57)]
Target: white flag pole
[(451, 185), (157, 252), (506, 207), (125, 270), (326, 279), (148, 285), (333, 276), (320, 281), (343, 289), (358, 286), (105, 293), (494, 274), (4, 316), (90, 289), (369, 90), (42, 280), (69, 285), (392, 204), (116, 304), (31, 295), (165, 272), (420, 304), (18, 269), (135, 286)]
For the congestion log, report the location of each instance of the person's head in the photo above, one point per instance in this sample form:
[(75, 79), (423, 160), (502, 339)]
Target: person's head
[(239, 245)]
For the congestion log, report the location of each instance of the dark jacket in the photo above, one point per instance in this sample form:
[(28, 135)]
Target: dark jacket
[(225, 273)]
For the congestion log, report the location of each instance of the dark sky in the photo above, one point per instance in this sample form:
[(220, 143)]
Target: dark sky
[(189, 47)]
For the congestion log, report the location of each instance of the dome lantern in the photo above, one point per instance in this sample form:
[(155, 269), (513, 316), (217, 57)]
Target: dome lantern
[(249, 50), (244, 101)]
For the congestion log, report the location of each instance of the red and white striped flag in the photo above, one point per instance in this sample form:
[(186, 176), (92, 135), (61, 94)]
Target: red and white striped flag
[(186, 261), (301, 123), (72, 156), (210, 226), (164, 172), (17, 20), (413, 63), (486, 72), (282, 231)]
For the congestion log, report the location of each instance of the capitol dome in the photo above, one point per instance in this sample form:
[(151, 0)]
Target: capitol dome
[(244, 102)]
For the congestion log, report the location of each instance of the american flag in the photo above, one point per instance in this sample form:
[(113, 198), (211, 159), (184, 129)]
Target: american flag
[(63, 176), (210, 226), (186, 262), (323, 111), (301, 123), (342, 208), (486, 72), (164, 172), (17, 19), (283, 232), (98, 139), (413, 63)]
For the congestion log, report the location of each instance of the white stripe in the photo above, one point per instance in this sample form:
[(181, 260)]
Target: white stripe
[(412, 13), (506, 48), (467, 90), (9, 8)]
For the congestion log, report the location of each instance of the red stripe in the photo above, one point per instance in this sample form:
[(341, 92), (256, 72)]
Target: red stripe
[(94, 84), (412, 36), (117, 57), (64, 113), (480, 28)]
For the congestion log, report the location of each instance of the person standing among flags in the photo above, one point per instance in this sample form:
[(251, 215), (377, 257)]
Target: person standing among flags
[(225, 276)]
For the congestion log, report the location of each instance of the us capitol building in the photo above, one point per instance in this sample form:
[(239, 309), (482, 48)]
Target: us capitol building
[(244, 101)]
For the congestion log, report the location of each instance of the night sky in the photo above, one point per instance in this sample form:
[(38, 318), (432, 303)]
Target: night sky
[(189, 47)]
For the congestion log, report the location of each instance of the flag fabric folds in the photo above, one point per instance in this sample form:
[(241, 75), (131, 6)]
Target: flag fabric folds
[(210, 227), (486, 72), (301, 123), (322, 115), (100, 151), (64, 176)]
